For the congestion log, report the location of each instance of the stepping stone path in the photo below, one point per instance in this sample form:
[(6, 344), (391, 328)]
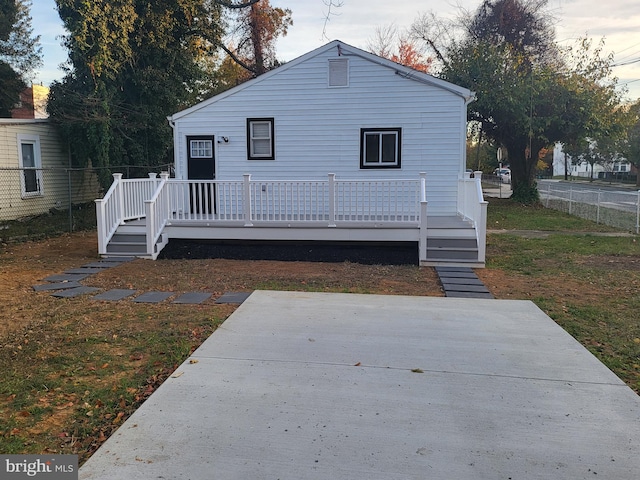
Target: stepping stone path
[(462, 282)]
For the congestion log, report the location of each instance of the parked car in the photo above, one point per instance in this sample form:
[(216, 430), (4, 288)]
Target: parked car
[(504, 174)]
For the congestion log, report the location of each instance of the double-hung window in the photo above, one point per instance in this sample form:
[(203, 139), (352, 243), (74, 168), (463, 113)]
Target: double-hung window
[(260, 141), (380, 147), (31, 165)]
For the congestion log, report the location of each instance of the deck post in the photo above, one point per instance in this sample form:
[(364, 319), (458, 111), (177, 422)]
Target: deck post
[(149, 207), (247, 200), (422, 243), (101, 226), (117, 179), (332, 200)]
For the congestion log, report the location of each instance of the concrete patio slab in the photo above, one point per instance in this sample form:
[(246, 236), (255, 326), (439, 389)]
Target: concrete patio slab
[(315, 386), (192, 298), (115, 295)]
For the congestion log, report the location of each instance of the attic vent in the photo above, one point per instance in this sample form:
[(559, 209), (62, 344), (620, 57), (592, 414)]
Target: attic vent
[(339, 72)]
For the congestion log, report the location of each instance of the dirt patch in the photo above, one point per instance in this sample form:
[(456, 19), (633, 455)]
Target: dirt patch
[(611, 262)]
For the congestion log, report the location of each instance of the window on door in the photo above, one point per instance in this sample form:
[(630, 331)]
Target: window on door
[(201, 148), (31, 166), (260, 142), (380, 147)]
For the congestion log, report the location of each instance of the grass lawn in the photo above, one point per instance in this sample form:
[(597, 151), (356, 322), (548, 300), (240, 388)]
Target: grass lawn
[(75, 369)]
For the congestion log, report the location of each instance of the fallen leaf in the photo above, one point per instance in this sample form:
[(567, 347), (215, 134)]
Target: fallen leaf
[(193, 360)]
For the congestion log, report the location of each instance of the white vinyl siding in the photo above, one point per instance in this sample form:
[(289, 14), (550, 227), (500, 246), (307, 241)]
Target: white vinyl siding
[(318, 128)]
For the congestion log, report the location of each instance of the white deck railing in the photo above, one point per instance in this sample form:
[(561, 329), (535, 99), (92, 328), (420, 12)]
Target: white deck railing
[(396, 203), (327, 202), (473, 207)]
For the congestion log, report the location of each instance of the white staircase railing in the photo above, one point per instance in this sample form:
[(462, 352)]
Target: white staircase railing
[(123, 201), (473, 207)]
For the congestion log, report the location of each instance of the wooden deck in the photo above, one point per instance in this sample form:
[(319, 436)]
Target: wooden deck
[(140, 217)]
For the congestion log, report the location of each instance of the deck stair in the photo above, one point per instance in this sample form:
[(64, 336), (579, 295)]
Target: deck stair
[(451, 241), (130, 239)]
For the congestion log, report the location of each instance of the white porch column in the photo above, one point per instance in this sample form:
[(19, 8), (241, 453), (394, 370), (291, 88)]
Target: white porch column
[(247, 200)]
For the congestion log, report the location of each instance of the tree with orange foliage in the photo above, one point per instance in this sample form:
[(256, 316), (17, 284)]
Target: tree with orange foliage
[(406, 53)]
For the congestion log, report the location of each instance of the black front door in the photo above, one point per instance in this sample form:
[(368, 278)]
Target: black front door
[(201, 166)]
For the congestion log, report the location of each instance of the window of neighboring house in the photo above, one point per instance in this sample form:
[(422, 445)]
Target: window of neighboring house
[(338, 72), (623, 167), (201, 148), (31, 165), (380, 147), (260, 141)]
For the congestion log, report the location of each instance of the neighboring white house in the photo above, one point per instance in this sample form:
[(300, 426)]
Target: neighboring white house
[(338, 138), (563, 163), (33, 174)]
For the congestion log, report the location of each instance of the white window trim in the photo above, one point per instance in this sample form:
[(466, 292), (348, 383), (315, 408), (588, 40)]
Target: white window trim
[(250, 139), (23, 139), (332, 79), (204, 148)]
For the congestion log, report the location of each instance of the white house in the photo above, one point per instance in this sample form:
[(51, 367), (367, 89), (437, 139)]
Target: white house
[(338, 144), (33, 171), (563, 163)]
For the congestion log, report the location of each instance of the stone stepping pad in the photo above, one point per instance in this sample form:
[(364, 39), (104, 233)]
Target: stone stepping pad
[(101, 265), (66, 277), (115, 294), (192, 298), (75, 292), (461, 281), (470, 295), (87, 270), (153, 297), (56, 286), (233, 297), (117, 259)]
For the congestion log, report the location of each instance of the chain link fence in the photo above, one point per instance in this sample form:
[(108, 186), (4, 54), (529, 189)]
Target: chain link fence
[(40, 202), (613, 208)]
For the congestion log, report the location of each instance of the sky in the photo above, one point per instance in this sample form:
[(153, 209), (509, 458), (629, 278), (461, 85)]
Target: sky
[(355, 23)]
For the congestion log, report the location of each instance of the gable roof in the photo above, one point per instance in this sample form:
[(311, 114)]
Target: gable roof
[(342, 49)]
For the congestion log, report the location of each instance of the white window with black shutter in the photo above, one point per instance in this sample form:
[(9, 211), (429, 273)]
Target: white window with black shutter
[(260, 139)]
